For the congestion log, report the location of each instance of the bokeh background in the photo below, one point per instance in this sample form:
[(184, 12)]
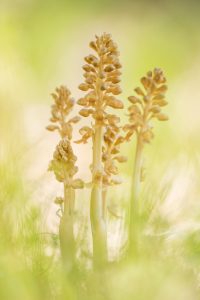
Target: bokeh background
[(42, 45)]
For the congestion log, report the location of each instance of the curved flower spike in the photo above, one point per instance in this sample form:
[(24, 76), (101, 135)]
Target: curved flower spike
[(147, 105), (63, 105)]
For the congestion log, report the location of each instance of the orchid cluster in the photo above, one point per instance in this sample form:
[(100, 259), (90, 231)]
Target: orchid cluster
[(101, 87)]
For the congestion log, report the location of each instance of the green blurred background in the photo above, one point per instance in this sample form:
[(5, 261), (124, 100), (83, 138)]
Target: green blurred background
[(42, 45)]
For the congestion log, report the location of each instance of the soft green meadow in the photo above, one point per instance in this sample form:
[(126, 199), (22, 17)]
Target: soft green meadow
[(42, 46)]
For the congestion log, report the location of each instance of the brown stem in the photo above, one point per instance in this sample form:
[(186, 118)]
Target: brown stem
[(134, 205), (66, 235), (104, 199), (98, 223), (133, 234), (96, 206)]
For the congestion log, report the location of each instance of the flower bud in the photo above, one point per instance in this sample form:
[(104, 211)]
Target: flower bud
[(88, 68), (162, 117), (85, 112), (84, 87), (89, 80), (91, 59), (116, 90), (119, 140), (74, 120), (133, 99), (139, 91), (146, 82), (155, 109), (117, 65), (161, 102), (159, 97), (114, 103), (93, 46), (121, 159), (109, 68), (52, 127), (114, 79), (82, 101), (149, 74), (162, 89)]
